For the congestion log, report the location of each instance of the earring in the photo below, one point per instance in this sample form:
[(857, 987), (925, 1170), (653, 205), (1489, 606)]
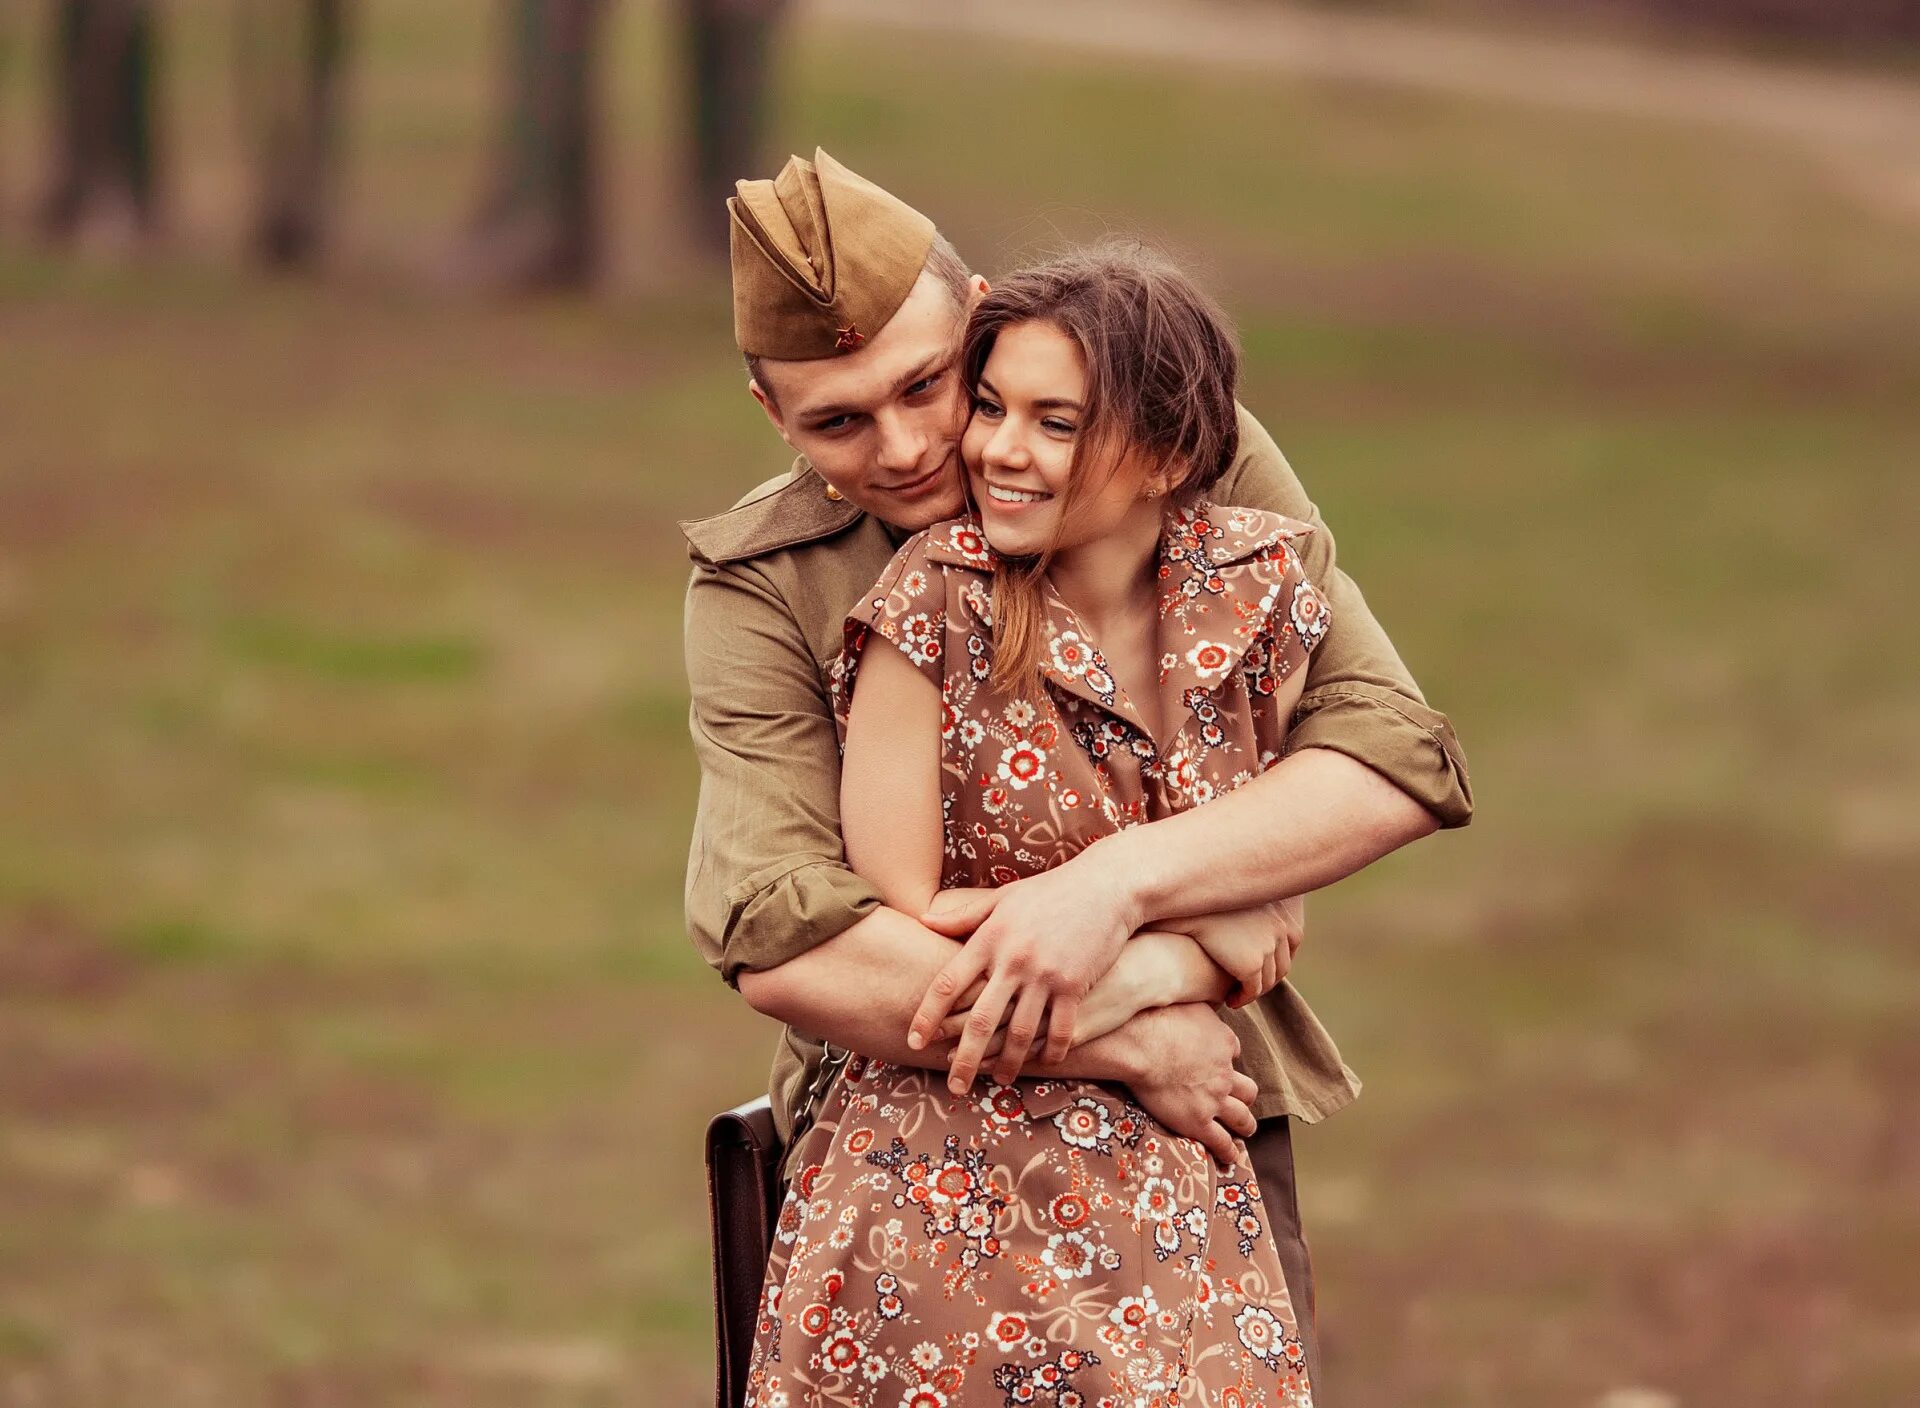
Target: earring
[(1153, 493)]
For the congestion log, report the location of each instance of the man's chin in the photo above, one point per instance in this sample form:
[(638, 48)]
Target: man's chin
[(925, 512)]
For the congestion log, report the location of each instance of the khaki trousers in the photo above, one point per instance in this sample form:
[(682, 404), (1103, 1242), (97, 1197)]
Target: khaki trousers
[(1271, 1152)]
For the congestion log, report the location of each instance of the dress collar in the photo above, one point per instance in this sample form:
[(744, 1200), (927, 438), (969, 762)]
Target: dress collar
[(1199, 536), (1221, 576)]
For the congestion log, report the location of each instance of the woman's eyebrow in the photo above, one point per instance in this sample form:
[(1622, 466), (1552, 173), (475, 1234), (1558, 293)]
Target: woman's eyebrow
[(1050, 403)]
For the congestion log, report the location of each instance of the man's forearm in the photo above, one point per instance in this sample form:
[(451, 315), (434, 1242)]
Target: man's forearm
[(1312, 819), (860, 989)]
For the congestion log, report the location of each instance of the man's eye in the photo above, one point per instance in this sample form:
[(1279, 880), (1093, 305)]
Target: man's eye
[(827, 427), (924, 385)]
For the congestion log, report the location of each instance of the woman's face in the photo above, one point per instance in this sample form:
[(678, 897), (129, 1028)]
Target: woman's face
[(1018, 448)]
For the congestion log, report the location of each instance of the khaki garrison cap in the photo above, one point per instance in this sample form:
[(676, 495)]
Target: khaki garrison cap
[(822, 258)]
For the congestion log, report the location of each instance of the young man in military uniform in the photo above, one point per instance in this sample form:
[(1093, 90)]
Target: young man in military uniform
[(849, 307)]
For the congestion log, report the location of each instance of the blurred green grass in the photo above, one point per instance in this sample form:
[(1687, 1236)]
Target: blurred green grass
[(350, 1046)]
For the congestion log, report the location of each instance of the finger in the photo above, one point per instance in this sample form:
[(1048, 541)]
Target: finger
[(1021, 1029), (943, 993), (957, 913), (980, 1026), (1238, 1118), (1060, 1019), (1219, 1143), (955, 1021), (1243, 1088)]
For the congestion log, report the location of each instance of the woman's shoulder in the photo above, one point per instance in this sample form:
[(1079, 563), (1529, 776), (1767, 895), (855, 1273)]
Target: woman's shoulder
[(1239, 567), (1230, 533), (924, 574), (957, 542), (953, 542)]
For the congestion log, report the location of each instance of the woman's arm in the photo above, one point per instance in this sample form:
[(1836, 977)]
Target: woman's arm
[(890, 780)]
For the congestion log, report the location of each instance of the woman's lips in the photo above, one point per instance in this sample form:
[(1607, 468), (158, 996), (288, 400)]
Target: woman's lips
[(991, 501)]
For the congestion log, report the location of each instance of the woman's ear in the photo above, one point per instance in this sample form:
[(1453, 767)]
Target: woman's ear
[(1164, 483)]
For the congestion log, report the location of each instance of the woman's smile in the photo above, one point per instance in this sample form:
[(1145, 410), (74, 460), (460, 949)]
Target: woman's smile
[(1014, 498)]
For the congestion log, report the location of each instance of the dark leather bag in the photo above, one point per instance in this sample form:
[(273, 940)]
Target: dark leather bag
[(744, 1192)]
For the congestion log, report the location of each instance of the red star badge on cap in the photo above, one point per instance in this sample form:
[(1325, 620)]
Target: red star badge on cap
[(850, 338)]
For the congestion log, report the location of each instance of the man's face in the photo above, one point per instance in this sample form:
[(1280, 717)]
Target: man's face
[(882, 425)]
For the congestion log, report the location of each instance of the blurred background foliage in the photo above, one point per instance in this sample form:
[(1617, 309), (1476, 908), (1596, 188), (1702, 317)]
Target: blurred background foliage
[(351, 1050)]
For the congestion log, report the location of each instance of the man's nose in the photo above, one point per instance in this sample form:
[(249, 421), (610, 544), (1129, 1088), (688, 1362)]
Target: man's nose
[(902, 445)]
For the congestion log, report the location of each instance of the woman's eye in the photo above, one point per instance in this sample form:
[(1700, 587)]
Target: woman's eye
[(1057, 426), (982, 406)]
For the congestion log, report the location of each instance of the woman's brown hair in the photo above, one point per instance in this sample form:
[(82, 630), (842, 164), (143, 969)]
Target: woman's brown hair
[(1162, 365)]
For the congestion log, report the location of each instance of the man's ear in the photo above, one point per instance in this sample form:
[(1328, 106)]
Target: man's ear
[(772, 408)]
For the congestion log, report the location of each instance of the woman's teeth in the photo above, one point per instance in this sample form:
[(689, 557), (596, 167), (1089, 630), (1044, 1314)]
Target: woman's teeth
[(1014, 496)]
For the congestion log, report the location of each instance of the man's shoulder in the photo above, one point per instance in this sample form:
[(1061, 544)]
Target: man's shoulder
[(788, 510)]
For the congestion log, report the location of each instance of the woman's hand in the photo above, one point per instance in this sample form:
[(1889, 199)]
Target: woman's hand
[(1041, 944), (1188, 1081), (1149, 973), (1255, 946)]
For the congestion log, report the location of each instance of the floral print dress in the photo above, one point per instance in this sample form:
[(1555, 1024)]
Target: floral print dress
[(1046, 1242)]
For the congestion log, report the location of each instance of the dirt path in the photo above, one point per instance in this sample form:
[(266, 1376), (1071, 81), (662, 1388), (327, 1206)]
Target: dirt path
[(1867, 125)]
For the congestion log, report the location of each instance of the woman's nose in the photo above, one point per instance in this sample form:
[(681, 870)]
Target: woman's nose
[(1006, 448)]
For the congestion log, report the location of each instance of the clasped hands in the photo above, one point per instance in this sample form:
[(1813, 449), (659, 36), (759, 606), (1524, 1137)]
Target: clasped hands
[(1054, 960)]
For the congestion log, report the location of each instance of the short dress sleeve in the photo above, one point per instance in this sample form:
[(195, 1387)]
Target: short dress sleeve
[(1296, 621), (1301, 618), (907, 606)]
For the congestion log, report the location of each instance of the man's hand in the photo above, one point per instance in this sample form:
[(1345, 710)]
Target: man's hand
[(1256, 946), (1188, 1081), (1040, 944)]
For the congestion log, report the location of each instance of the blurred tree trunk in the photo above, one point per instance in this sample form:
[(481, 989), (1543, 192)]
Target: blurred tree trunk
[(9, 46), (103, 186), (289, 54), (729, 52), (538, 224)]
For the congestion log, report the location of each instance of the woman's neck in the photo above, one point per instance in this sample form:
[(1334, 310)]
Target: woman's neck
[(1115, 578)]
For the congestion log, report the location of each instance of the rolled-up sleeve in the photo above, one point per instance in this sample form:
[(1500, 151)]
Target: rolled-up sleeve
[(1360, 699), (767, 878), (1398, 737)]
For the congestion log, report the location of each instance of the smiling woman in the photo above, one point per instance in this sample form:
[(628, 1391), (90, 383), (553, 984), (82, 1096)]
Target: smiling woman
[(1103, 381)]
